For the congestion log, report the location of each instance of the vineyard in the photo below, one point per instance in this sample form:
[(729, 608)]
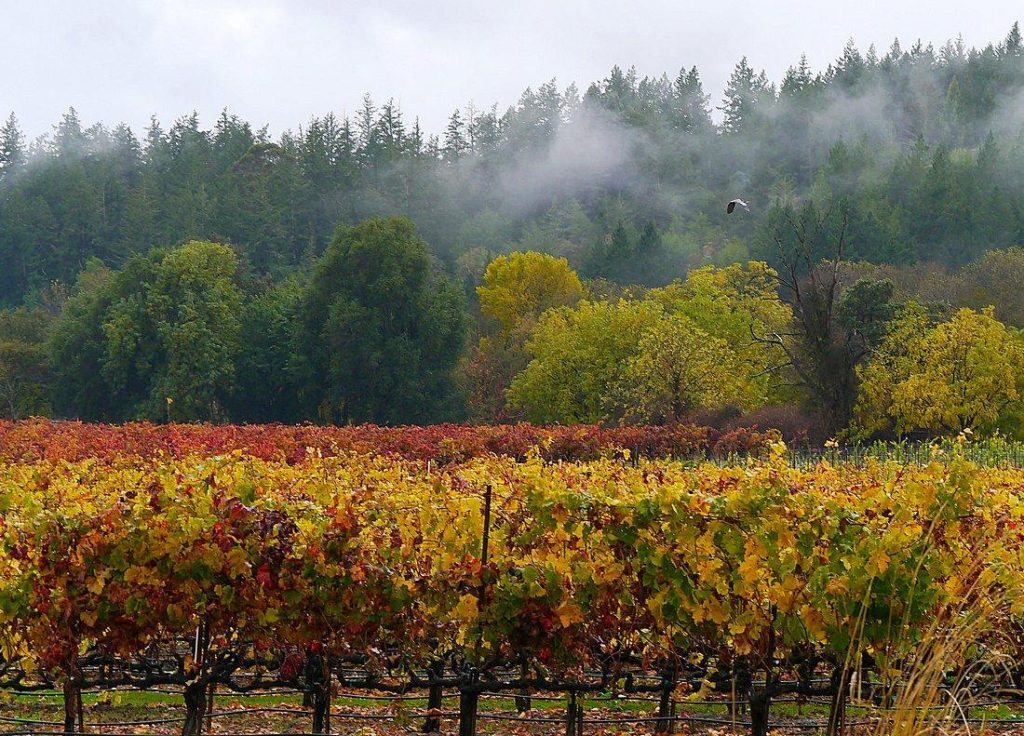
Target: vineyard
[(447, 566), (40, 439)]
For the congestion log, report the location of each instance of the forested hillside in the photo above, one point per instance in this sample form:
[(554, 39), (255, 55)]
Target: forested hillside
[(625, 179), (911, 159)]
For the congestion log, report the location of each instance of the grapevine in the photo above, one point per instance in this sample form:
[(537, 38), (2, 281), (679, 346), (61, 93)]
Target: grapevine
[(234, 569)]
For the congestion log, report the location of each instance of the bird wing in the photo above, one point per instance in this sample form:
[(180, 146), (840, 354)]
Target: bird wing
[(730, 207)]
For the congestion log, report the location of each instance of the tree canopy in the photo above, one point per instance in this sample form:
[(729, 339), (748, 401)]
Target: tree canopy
[(566, 259), (964, 373), (157, 340), (378, 332)]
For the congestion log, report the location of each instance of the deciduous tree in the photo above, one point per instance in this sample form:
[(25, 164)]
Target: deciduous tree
[(965, 373), (378, 332)]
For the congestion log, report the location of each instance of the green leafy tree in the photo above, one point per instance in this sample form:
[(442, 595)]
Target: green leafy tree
[(264, 391), (579, 357), (195, 307), (378, 333), (78, 345), (157, 340), (677, 368), (24, 365)]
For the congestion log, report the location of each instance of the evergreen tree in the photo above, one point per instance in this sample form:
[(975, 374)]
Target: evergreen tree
[(455, 142), (850, 68), (366, 121), (12, 149), (378, 334), (1012, 45), (744, 92), (690, 105), (68, 138)]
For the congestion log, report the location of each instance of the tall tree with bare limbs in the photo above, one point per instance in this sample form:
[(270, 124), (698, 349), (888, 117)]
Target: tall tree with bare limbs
[(832, 330)]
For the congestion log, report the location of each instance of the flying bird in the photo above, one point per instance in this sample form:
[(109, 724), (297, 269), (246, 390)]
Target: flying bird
[(732, 206)]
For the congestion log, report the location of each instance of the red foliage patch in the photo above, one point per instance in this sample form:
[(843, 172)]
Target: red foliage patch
[(40, 439)]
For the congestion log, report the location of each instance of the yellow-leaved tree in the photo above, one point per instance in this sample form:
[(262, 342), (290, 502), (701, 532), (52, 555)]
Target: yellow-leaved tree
[(687, 346), (522, 286), (965, 373), (580, 356), (517, 289), (733, 303), (678, 367)]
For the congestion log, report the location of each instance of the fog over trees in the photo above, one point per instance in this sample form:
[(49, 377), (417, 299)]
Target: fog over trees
[(118, 245)]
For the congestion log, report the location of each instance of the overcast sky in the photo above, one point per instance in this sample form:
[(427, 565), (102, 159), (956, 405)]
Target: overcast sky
[(278, 62)]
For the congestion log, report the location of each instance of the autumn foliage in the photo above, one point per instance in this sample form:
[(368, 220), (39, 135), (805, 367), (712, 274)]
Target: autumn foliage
[(264, 547), (41, 439)]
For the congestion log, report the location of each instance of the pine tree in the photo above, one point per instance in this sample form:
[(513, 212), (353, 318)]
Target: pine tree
[(953, 53), (455, 143), (433, 148), (894, 57), (232, 137), (367, 149), (649, 242), (68, 139), (1012, 45), (798, 78), (620, 246), (415, 143), (849, 68), (12, 148), (953, 114), (155, 141), (347, 144), (471, 118), (549, 108), (690, 109), (871, 58), (390, 130), (485, 130), (365, 120), (743, 95)]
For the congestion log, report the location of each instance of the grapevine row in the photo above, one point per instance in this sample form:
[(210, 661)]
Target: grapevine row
[(42, 439), (494, 573)]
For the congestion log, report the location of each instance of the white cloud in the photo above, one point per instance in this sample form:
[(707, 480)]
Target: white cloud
[(279, 61)]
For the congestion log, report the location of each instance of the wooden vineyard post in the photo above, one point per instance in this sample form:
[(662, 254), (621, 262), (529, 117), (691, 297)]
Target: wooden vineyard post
[(469, 695), (486, 543), (209, 707), (573, 716), (435, 696), (665, 704), (523, 702), (469, 701)]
